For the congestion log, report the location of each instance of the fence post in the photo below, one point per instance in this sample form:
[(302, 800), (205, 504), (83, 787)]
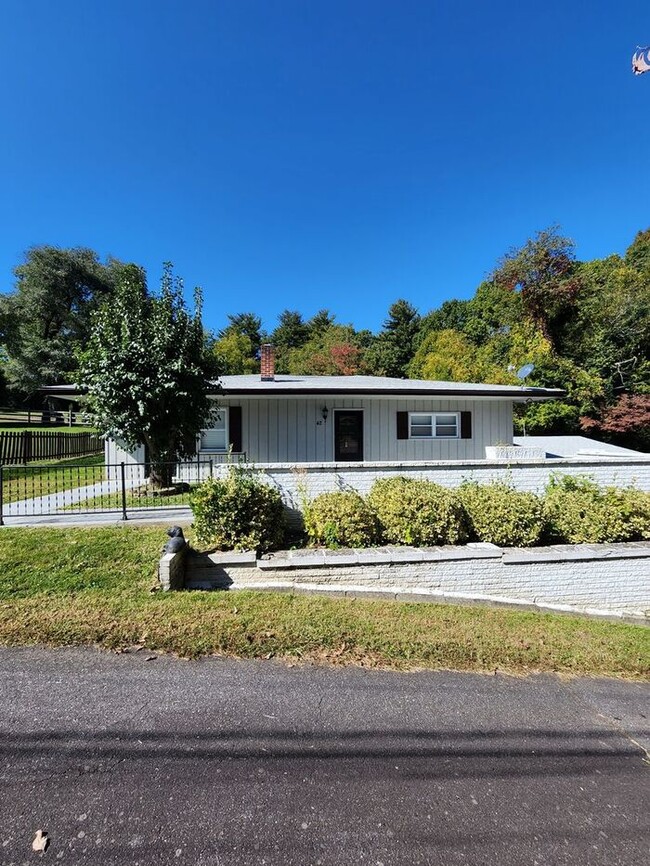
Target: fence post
[(27, 446), (123, 478), (1, 497)]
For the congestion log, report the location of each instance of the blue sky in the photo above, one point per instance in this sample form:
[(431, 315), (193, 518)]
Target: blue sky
[(316, 153)]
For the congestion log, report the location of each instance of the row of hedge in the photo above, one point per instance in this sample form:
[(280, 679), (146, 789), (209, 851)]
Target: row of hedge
[(242, 512)]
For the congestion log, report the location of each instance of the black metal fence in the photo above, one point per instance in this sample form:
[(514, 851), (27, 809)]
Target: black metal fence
[(120, 488)]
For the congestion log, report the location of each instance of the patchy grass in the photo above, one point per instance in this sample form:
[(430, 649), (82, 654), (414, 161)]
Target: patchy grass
[(92, 586), (54, 476)]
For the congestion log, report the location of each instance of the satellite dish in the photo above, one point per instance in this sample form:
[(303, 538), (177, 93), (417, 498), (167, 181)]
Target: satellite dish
[(524, 371)]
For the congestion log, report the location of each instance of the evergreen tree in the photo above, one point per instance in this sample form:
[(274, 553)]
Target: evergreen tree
[(392, 351)]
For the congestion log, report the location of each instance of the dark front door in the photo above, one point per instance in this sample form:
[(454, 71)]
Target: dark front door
[(348, 435)]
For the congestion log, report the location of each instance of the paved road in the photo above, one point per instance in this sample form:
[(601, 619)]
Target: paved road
[(124, 760)]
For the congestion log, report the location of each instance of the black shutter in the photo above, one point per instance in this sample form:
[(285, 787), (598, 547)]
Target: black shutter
[(234, 428), (465, 425), (402, 425)]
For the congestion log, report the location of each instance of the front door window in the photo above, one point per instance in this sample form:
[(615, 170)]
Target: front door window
[(348, 435)]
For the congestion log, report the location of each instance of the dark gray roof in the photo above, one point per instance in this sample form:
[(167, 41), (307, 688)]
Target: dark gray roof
[(378, 385), (288, 385)]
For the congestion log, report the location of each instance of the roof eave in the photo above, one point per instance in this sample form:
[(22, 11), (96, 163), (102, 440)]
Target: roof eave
[(532, 394)]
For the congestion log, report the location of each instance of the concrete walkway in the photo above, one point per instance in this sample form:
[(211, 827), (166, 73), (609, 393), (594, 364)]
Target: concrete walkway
[(168, 516), (54, 502)]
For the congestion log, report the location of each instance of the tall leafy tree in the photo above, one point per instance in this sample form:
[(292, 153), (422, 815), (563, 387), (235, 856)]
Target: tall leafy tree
[(608, 331), (237, 348), (637, 255), (46, 318), (492, 309), (335, 351), (445, 356), (627, 421), (452, 315), (146, 369), (248, 324), (544, 272)]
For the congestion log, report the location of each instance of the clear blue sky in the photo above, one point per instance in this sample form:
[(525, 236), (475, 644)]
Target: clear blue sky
[(321, 153)]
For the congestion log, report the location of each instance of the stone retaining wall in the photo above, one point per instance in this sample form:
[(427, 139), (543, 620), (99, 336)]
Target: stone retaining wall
[(600, 579)]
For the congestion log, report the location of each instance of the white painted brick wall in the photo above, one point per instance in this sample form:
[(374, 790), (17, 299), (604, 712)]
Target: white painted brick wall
[(607, 579), (296, 482)]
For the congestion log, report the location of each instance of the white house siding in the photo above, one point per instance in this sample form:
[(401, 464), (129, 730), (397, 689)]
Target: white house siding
[(285, 429), (115, 452)]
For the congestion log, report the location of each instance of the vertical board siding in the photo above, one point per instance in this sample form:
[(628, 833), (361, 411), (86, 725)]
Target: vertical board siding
[(292, 430)]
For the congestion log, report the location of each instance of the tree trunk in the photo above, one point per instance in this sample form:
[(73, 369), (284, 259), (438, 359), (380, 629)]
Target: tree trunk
[(161, 464), (161, 474)]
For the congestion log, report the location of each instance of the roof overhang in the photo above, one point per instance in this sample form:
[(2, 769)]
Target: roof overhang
[(517, 395), (276, 389)]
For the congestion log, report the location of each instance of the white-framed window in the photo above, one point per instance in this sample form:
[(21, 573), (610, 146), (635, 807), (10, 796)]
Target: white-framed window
[(434, 425), (216, 437)]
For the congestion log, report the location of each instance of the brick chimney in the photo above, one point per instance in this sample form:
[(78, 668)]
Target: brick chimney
[(267, 362)]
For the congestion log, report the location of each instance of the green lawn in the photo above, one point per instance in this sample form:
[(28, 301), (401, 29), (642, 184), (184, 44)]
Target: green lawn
[(40, 479), (46, 428), (92, 586), (144, 498)]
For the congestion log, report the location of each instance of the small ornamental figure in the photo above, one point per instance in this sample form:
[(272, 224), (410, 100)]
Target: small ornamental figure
[(176, 540)]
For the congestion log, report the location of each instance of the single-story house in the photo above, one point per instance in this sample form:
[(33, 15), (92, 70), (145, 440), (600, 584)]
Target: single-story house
[(318, 433), (269, 418)]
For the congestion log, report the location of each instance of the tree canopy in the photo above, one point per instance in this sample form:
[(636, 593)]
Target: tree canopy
[(46, 318), (146, 369)]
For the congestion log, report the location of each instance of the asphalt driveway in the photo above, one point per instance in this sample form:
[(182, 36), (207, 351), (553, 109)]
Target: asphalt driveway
[(129, 759)]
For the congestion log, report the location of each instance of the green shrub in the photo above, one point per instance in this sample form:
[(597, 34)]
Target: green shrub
[(238, 512), (341, 520), (579, 511), (417, 512), (498, 514)]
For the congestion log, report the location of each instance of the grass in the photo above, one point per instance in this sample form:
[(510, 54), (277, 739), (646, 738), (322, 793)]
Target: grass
[(36, 479), (92, 586), (144, 499), (48, 428)]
